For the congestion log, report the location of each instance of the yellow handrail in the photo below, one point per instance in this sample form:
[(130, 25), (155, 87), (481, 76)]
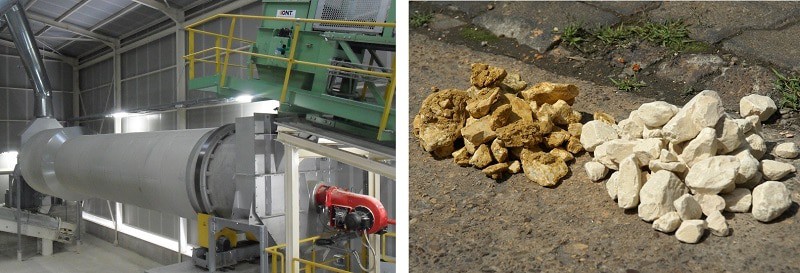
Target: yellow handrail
[(295, 37), (212, 62), (223, 36), (227, 55), (383, 247), (290, 60), (316, 264), (277, 254)]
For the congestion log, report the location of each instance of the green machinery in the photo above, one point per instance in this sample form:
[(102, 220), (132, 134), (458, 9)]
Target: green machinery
[(325, 60)]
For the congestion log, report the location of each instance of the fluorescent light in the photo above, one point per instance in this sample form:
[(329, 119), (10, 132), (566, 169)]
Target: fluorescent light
[(8, 160), (244, 98), (119, 115)]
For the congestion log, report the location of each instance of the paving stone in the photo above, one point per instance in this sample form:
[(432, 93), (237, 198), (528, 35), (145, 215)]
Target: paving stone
[(469, 7), (443, 22), (712, 22), (532, 23), (778, 47), (624, 8), (739, 81), (690, 68)]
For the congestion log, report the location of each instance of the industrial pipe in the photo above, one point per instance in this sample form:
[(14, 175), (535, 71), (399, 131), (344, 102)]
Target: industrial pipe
[(182, 172), (24, 40)]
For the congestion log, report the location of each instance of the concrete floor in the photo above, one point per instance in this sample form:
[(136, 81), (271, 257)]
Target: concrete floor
[(95, 255)]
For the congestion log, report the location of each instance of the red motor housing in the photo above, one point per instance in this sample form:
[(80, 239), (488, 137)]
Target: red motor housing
[(352, 211)]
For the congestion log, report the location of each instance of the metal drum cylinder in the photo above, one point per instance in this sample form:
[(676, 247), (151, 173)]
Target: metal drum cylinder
[(164, 171)]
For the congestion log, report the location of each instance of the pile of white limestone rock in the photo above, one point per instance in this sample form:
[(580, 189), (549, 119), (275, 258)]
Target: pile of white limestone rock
[(680, 167)]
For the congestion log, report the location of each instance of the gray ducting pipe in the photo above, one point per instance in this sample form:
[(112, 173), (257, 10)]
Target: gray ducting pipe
[(29, 54), (180, 172)]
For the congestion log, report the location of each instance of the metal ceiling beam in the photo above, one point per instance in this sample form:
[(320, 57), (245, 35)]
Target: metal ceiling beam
[(173, 13), (89, 52), (30, 4), (144, 27), (64, 15), (46, 53), (102, 23), (72, 28), (194, 5), (114, 16), (223, 9)]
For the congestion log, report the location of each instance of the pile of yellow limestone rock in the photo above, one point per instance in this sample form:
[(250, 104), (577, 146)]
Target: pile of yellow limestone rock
[(501, 126)]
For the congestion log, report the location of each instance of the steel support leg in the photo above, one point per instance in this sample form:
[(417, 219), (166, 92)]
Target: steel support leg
[(78, 221), (18, 181), (47, 247), (262, 244), (291, 189), (374, 190), (211, 256)]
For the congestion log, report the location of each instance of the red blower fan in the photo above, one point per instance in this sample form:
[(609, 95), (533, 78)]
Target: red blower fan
[(349, 211)]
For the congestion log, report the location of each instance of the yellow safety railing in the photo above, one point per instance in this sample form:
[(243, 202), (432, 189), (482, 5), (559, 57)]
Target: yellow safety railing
[(309, 265), (221, 66), (384, 257)]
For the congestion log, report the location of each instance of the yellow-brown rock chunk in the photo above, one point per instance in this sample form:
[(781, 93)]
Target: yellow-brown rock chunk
[(513, 83), (574, 145), (461, 157), (480, 131), (481, 158), (484, 75), (499, 151), (556, 139), (604, 117), (543, 168), (514, 167), (520, 109), (575, 129), (563, 154), (546, 92), (501, 116), (440, 120), (496, 171), (480, 105), (521, 133)]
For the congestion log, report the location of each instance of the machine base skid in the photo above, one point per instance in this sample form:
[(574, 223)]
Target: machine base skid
[(189, 267), (226, 258)]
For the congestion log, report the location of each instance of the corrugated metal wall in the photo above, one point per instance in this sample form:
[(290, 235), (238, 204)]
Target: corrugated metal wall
[(16, 95), (148, 74)]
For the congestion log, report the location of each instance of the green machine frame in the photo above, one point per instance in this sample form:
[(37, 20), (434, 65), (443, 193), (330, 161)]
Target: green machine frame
[(320, 58)]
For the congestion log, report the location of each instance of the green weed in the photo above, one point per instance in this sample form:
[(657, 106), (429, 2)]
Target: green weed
[(788, 88), (572, 34), (614, 35), (477, 34), (628, 84), (671, 34), (419, 19)]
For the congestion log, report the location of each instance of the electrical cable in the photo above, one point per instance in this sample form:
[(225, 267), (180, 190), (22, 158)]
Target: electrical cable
[(374, 254)]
